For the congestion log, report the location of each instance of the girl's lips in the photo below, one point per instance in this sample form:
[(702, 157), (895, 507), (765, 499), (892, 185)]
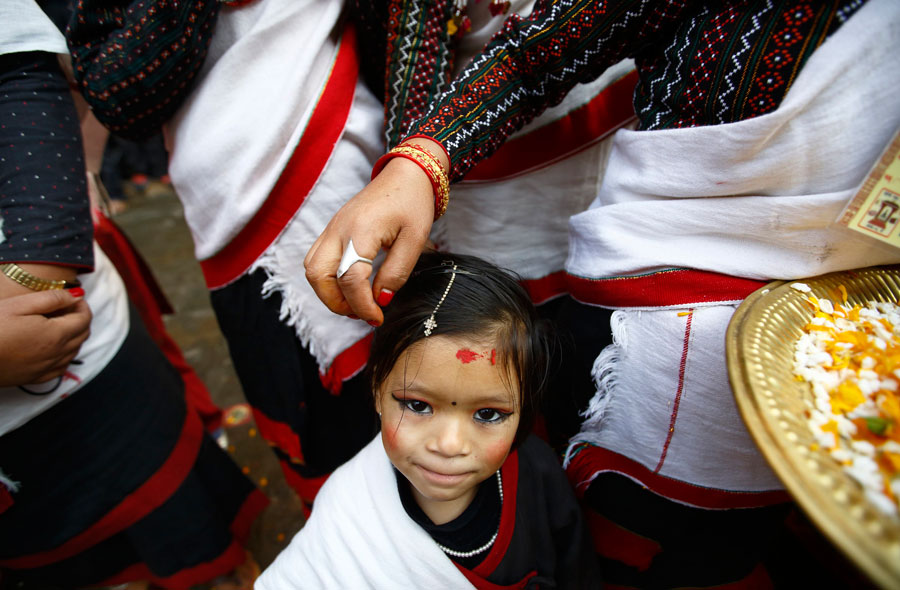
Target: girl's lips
[(444, 479)]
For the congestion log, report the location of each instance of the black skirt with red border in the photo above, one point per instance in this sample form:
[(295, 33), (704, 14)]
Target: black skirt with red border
[(120, 482)]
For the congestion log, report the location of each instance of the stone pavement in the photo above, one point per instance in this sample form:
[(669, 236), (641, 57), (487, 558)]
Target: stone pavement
[(153, 221)]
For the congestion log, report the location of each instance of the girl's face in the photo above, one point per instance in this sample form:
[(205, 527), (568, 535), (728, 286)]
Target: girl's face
[(448, 420)]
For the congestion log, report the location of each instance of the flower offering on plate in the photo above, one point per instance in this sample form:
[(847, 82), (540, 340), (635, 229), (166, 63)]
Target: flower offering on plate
[(818, 394)]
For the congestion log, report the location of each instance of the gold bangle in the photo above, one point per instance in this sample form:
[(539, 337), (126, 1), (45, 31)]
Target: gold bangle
[(442, 192), (26, 279), (430, 164)]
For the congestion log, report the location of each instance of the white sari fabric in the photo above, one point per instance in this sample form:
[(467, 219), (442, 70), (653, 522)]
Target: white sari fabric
[(359, 536), (755, 199)]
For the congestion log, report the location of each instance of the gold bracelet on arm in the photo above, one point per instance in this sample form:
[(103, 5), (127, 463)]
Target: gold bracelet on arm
[(428, 162), (26, 279)]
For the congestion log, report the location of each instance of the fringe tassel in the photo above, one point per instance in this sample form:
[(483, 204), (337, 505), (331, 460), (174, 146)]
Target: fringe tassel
[(12, 486), (290, 309), (605, 380)]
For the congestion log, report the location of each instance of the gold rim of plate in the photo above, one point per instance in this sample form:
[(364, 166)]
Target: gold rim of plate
[(760, 350)]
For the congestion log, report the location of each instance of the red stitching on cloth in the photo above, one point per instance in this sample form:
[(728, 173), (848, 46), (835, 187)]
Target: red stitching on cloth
[(684, 352)]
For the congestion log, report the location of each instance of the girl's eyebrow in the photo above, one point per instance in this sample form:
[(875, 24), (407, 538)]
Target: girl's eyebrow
[(493, 400)]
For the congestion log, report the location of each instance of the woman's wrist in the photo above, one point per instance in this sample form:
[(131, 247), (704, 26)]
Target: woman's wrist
[(431, 158), (20, 278)]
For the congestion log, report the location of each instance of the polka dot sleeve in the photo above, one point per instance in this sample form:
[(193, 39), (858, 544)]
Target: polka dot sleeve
[(44, 210)]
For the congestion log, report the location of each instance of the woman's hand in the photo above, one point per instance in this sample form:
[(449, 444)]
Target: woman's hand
[(42, 333), (394, 212)]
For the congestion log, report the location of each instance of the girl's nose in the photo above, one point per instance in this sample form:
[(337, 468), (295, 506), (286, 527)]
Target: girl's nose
[(449, 437)]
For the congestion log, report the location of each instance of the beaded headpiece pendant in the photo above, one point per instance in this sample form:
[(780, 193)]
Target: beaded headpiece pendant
[(430, 323)]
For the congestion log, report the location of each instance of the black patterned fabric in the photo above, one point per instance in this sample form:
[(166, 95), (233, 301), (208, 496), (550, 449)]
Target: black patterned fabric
[(44, 214), (699, 63)]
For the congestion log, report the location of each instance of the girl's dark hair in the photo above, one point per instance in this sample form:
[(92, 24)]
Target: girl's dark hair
[(484, 301)]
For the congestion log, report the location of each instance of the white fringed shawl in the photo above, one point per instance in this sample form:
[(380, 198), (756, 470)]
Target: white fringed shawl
[(755, 199)]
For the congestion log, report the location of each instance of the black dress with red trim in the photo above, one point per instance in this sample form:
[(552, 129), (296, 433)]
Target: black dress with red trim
[(542, 540), (120, 482)]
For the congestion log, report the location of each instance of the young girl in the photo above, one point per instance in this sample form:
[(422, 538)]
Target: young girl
[(456, 493)]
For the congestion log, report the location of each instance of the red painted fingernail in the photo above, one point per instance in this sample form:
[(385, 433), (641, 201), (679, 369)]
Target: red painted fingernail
[(76, 292), (352, 317), (385, 297), (373, 323)]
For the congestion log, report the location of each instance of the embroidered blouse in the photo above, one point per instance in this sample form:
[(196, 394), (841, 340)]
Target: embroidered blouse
[(699, 63)]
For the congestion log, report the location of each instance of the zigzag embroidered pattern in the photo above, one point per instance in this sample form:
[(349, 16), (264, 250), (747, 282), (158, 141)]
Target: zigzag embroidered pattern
[(699, 64), (418, 63)]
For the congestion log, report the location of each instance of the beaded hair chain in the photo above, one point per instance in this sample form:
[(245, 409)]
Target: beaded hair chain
[(430, 323)]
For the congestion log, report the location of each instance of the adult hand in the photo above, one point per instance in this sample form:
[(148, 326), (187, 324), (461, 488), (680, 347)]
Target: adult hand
[(394, 212), (42, 333)]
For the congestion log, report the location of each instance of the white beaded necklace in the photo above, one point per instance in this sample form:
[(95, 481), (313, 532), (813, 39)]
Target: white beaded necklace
[(487, 545)]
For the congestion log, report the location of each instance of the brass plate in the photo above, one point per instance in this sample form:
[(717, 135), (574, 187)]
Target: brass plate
[(760, 348)]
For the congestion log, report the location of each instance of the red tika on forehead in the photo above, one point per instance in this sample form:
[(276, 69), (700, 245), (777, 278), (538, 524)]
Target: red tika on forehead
[(466, 356)]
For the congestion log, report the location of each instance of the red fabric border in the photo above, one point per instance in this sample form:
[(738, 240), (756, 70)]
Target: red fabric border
[(589, 461), (478, 575), (347, 365), (6, 499), (150, 301), (579, 129), (510, 472), (483, 584), (547, 287), (620, 544), (306, 487), (299, 176), (663, 288), (278, 434), (149, 496), (232, 557)]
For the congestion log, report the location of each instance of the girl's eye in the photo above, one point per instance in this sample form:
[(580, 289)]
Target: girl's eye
[(414, 405), (491, 416)]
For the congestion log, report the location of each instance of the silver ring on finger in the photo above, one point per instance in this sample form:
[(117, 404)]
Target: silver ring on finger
[(350, 258)]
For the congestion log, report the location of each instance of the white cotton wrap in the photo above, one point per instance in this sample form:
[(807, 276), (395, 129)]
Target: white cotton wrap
[(359, 536), (756, 199)]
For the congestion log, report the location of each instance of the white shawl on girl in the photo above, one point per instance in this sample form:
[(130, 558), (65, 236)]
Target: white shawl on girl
[(756, 199), (359, 536)]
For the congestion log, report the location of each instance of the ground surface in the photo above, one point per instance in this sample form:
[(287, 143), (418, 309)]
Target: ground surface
[(155, 224)]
